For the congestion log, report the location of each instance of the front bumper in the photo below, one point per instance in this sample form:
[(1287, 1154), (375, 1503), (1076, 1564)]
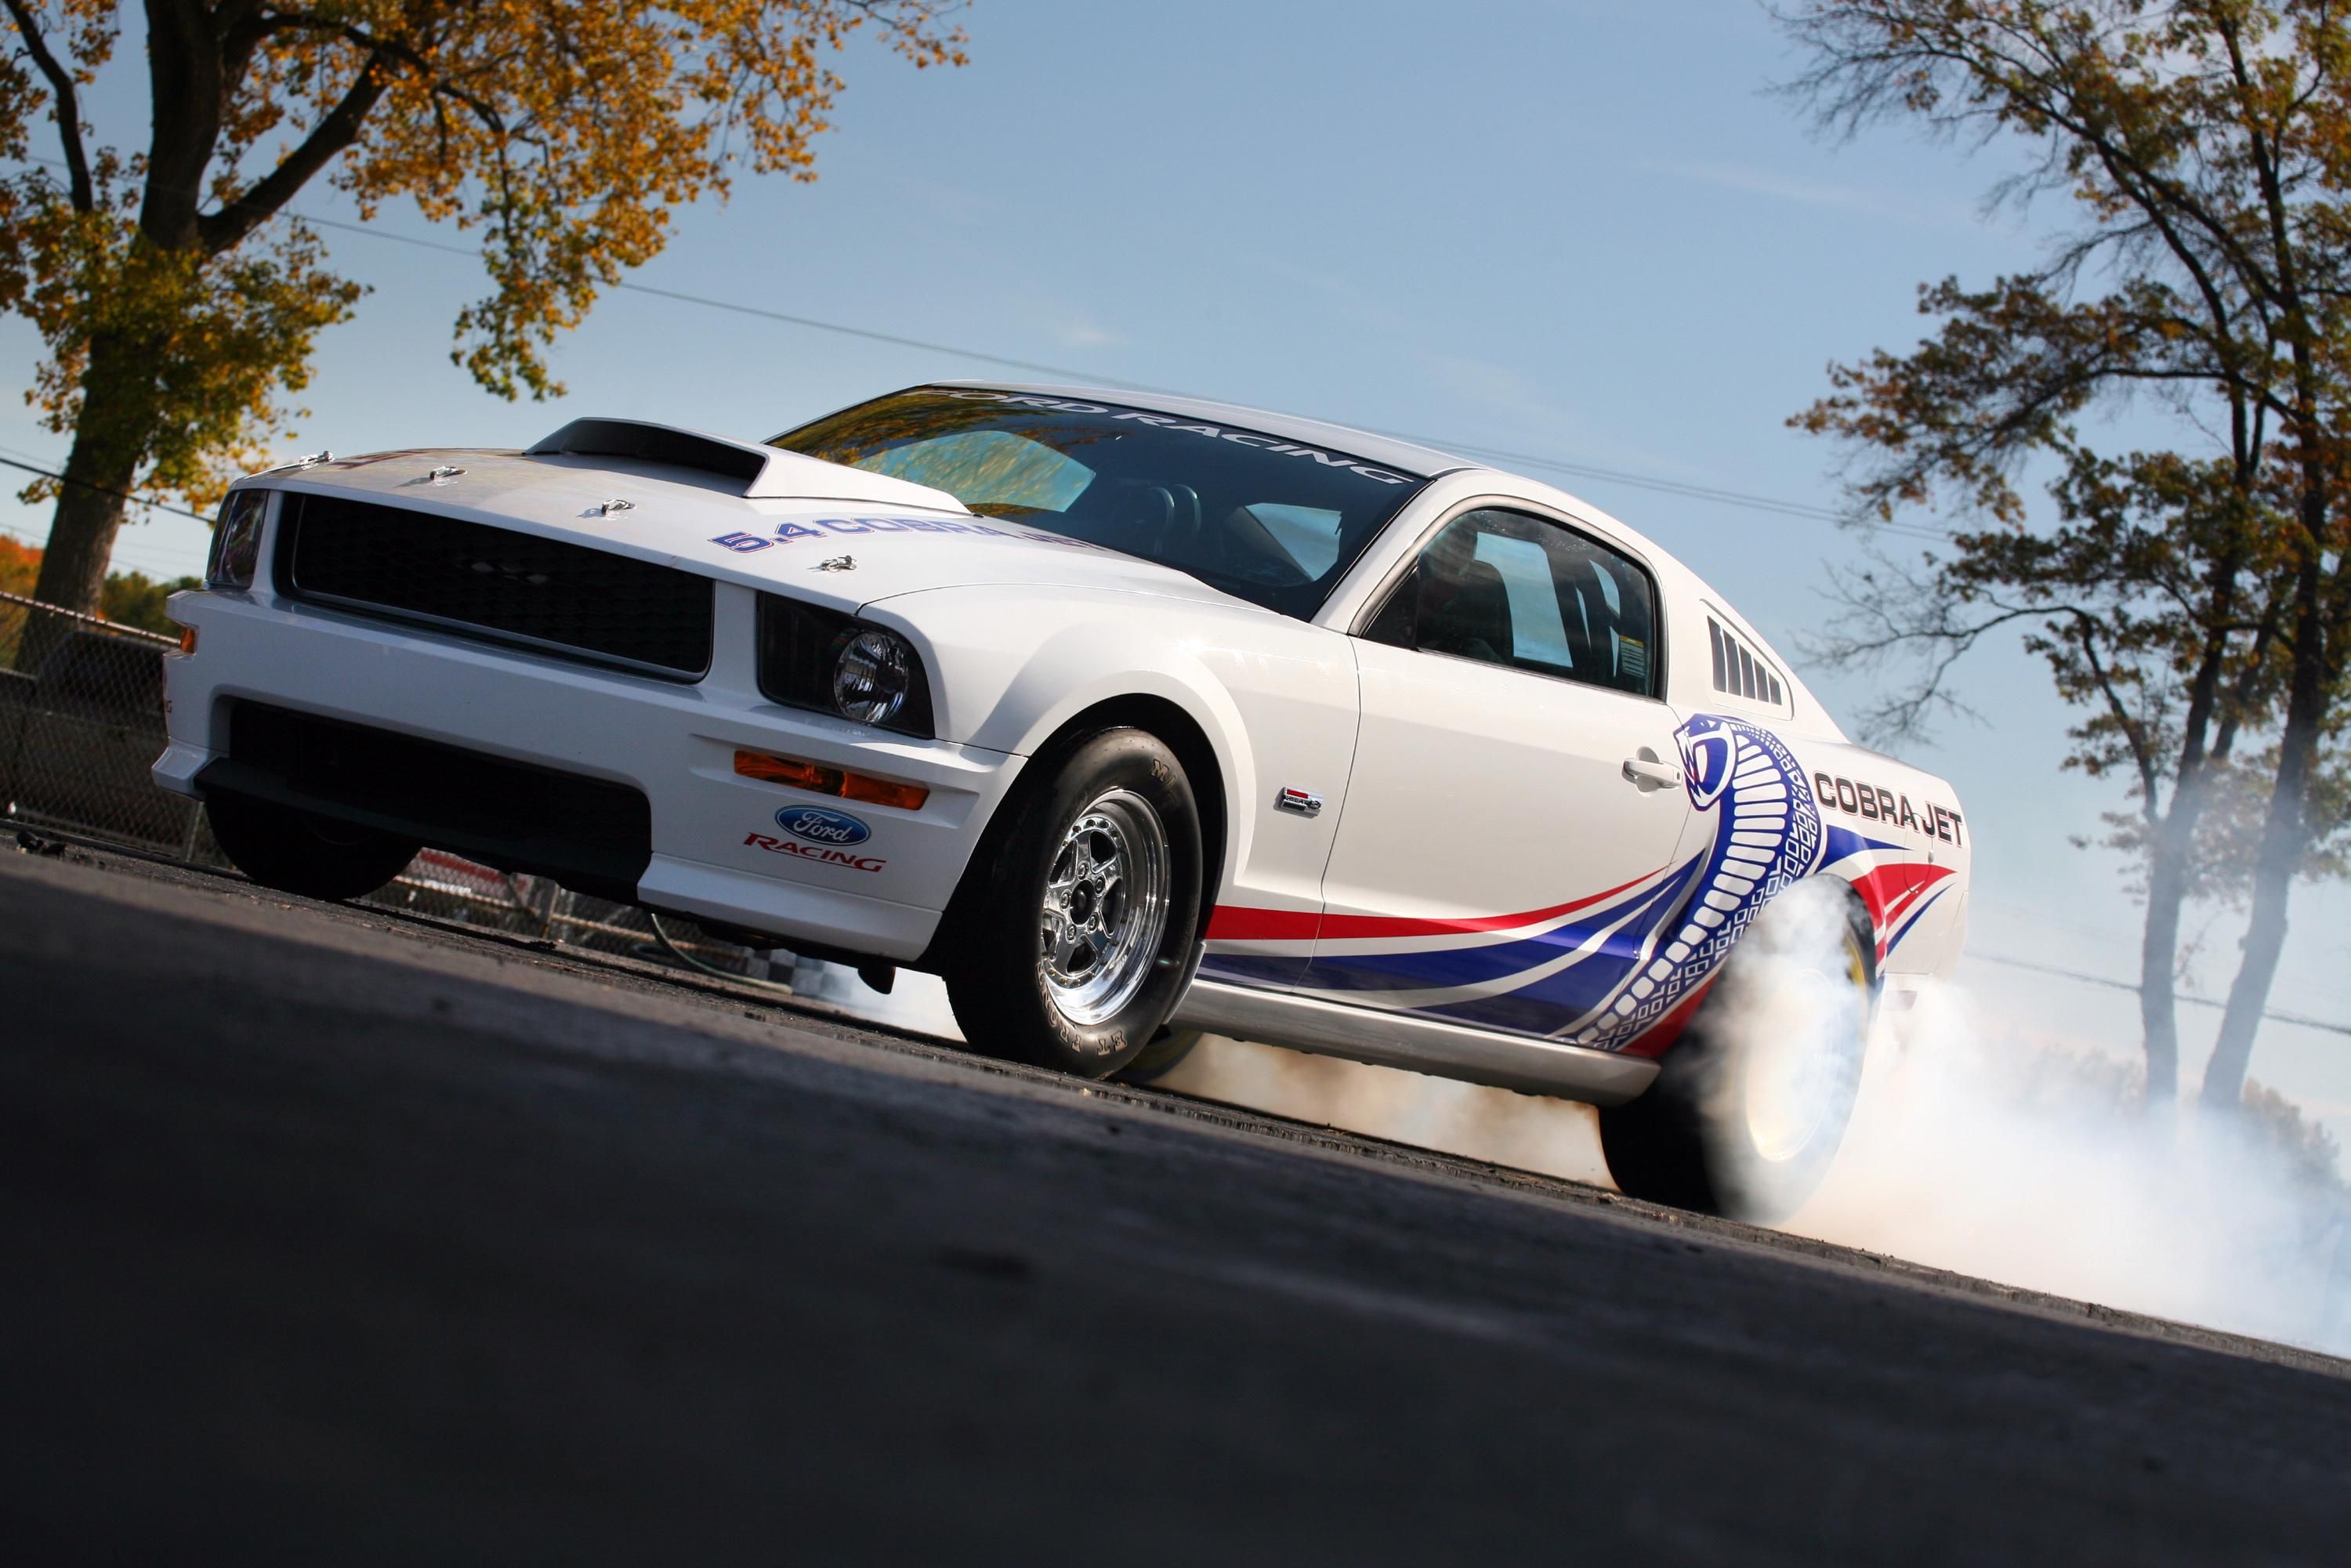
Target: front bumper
[(717, 850)]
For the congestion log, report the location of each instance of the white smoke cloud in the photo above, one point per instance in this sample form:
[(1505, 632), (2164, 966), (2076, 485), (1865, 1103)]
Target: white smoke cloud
[(1979, 1149), (1554, 1137), (1975, 1146), (1790, 1017)]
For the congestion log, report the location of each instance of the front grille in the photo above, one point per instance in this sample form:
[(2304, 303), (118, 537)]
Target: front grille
[(495, 584), (590, 834)]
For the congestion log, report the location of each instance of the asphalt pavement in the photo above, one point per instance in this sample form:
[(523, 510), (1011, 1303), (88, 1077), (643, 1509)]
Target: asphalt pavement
[(334, 1236)]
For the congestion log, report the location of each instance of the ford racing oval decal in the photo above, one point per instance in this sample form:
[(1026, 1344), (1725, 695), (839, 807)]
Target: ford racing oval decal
[(818, 826)]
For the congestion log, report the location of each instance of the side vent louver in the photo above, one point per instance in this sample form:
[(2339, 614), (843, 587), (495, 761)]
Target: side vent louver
[(1739, 671)]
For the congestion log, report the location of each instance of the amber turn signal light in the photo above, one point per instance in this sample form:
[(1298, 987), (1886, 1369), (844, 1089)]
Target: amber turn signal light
[(187, 639), (822, 781)]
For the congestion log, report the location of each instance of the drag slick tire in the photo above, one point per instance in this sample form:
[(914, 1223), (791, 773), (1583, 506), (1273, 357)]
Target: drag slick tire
[(296, 851), (1751, 1103), (1076, 935)]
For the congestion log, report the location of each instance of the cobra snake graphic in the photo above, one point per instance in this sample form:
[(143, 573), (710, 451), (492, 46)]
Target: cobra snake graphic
[(1767, 835)]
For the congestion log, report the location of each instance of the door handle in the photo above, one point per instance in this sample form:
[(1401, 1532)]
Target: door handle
[(1647, 773)]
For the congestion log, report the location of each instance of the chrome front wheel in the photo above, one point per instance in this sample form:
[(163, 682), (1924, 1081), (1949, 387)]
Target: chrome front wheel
[(1073, 936), (1105, 910)]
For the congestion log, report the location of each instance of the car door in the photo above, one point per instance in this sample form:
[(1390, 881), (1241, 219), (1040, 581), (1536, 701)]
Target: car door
[(1505, 845)]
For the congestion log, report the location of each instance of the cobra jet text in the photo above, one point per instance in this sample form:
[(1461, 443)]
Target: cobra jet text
[(1879, 804)]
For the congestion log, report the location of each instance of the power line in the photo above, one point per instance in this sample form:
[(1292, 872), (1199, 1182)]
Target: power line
[(138, 561), (762, 311), (106, 490), (2112, 984), (1681, 488)]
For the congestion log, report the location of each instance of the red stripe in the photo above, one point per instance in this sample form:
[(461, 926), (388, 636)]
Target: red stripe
[(1234, 923), (1669, 1029), (1892, 886)]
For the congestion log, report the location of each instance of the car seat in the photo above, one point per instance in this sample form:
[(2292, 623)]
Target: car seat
[(1474, 621)]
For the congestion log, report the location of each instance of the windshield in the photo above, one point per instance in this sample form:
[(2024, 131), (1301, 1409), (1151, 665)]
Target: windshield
[(1275, 522)]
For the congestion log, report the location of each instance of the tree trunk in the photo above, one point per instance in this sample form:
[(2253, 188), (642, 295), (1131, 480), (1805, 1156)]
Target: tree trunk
[(2248, 994), (109, 440), (2284, 839), (2166, 888)]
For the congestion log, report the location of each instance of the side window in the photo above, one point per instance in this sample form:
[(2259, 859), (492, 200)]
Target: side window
[(1505, 588)]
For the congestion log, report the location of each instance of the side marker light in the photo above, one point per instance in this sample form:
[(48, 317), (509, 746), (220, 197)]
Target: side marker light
[(823, 781)]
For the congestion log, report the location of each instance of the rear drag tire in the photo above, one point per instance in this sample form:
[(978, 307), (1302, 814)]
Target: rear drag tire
[(300, 853), (1707, 1135)]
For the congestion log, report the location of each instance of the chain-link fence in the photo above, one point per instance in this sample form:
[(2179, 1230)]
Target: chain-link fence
[(81, 720), (81, 723)]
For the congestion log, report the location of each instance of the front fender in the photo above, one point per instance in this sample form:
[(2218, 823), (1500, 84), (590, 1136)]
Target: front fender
[(1010, 668)]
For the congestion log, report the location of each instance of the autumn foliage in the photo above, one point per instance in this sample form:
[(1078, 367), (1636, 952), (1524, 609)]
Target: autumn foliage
[(2195, 601), (180, 298)]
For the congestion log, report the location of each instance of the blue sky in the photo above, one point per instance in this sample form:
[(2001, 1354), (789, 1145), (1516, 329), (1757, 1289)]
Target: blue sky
[(1578, 229)]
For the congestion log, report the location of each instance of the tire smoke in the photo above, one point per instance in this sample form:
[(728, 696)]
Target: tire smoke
[(1976, 1148), (1778, 1050), (1975, 1145)]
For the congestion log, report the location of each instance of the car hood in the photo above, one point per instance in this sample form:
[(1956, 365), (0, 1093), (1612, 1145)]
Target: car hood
[(852, 538)]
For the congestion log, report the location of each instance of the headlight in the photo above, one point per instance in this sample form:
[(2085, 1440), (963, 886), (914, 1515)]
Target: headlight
[(236, 541), (822, 659), (870, 682)]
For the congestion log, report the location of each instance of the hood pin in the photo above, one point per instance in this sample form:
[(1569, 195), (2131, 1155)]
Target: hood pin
[(606, 508), (838, 564)]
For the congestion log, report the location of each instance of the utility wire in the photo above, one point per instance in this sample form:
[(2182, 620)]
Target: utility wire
[(2076, 975), (764, 314), (105, 489), (1680, 488), (2112, 984), (1613, 475)]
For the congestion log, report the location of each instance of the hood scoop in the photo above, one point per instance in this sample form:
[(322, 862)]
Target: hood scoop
[(753, 471)]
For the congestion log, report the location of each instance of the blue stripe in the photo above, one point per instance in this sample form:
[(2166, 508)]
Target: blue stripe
[(1911, 924), (1424, 969), (1844, 842), (1539, 1007)]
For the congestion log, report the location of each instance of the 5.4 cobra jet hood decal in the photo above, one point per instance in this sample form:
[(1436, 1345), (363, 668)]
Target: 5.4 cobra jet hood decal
[(840, 553)]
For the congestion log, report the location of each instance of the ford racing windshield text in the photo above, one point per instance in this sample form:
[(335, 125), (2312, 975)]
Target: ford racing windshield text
[(1273, 521)]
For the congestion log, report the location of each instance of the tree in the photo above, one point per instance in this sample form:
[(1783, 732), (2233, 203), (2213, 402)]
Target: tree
[(2194, 602), (179, 298), (130, 597), (134, 599)]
